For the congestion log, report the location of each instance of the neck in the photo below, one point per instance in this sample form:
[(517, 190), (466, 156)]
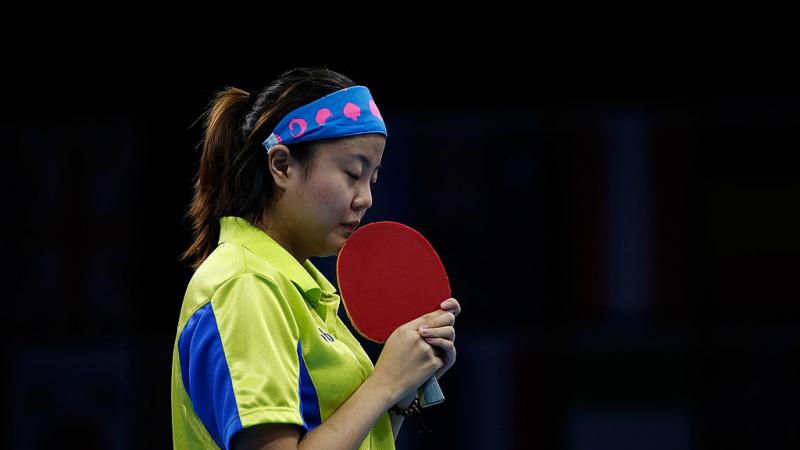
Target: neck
[(276, 229)]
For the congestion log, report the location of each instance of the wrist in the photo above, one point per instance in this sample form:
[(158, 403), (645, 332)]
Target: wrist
[(383, 389), (413, 408), (405, 402)]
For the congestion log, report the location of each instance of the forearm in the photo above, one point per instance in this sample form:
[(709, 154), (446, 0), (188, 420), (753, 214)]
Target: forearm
[(347, 428)]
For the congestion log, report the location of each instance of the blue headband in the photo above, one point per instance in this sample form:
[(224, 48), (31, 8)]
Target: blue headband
[(346, 112)]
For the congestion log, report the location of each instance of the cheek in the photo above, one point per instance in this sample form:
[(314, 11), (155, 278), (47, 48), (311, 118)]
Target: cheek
[(331, 196)]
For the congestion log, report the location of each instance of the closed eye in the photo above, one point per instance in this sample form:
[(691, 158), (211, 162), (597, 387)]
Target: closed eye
[(357, 177)]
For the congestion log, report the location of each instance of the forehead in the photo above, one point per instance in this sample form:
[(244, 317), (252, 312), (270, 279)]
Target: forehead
[(367, 148)]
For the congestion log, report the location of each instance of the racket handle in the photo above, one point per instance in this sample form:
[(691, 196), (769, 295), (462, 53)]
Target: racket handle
[(430, 393)]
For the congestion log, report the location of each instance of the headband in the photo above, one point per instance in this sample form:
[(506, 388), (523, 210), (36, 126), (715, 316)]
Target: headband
[(346, 112)]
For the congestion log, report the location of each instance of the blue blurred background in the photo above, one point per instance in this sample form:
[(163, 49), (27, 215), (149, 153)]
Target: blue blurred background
[(623, 243)]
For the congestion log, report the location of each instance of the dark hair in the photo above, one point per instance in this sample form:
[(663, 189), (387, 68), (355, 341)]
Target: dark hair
[(233, 178)]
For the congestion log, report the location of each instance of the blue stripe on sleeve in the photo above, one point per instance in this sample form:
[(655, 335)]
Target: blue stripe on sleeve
[(206, 376), (309, 402)]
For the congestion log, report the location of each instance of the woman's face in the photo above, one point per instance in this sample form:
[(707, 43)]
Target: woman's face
[(338, 190)]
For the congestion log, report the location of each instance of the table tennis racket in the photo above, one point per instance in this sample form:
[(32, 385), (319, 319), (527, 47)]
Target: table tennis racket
[(388, 275)]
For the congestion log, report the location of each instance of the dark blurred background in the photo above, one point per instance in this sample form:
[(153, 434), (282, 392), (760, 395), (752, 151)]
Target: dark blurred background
[(622, 237)]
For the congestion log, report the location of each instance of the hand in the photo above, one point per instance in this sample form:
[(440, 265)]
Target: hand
[(442, 334), (406, 361)]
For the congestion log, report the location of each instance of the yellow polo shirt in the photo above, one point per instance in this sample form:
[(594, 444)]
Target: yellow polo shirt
[(259, 341)]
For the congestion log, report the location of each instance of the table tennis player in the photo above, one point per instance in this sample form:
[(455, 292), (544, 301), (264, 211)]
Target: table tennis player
[(261, 358)]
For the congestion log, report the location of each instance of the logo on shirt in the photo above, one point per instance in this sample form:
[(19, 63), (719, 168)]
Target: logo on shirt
[(325, 335)]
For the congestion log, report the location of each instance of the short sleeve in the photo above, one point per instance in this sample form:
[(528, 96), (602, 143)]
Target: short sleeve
[(240, 359)]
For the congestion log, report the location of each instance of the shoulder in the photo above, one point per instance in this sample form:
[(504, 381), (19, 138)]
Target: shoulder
[(233, 275), (232, 264), (247, 285), (252, 301)]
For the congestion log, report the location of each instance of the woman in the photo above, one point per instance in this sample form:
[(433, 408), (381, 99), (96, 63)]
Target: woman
[(261, 359)]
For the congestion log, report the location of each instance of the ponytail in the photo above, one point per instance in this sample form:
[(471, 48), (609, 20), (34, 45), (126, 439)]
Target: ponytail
[(222, 141)]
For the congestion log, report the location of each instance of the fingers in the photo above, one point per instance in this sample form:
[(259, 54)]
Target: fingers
[(444, 344), (440, 352), (426, 318), (452, 305), (446, 332), (450, 308), (446, 318)]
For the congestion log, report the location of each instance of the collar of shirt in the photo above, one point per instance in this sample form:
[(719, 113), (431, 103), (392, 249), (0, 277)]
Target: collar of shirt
[(315, 287)]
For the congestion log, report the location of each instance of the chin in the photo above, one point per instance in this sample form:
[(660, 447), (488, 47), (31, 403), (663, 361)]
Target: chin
[(336, 245), (340, 243)]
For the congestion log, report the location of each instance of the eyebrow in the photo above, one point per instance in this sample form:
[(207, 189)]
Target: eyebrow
[(364, 159)]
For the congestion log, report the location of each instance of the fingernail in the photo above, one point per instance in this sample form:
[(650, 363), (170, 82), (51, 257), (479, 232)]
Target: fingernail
[(445, 303), (424, 330)]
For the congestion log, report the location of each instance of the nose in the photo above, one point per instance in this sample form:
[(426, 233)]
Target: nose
[(363, 199)]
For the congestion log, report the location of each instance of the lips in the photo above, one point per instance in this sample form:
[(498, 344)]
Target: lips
[(351, 226)]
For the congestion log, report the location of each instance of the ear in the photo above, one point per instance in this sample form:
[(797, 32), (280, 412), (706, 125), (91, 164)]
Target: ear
[(278, 160)]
